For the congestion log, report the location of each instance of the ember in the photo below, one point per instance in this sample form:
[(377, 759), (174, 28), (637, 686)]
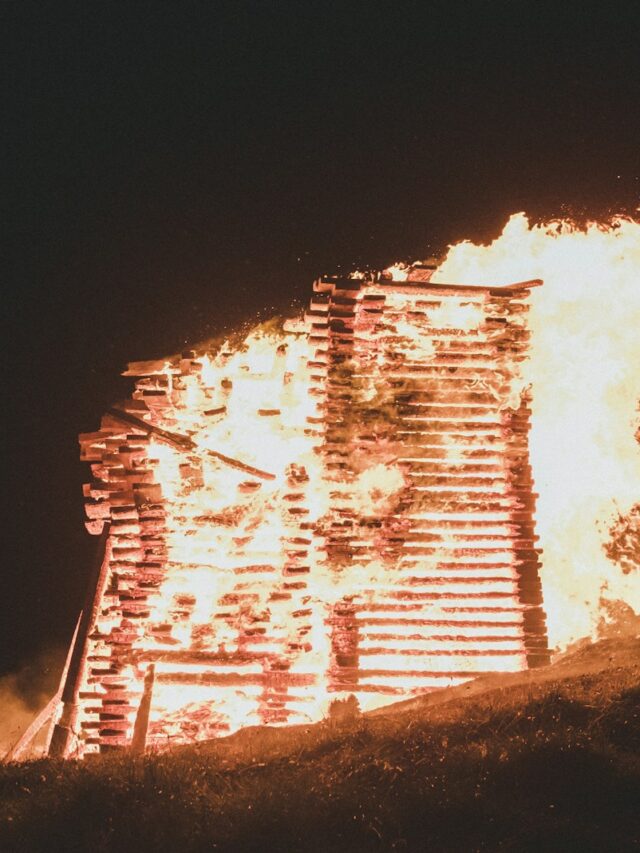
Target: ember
[(344, 507)]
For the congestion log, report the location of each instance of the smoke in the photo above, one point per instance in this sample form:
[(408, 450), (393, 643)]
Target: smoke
[(25, 692)]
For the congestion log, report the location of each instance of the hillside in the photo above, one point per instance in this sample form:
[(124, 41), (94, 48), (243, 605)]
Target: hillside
[(548, 760)]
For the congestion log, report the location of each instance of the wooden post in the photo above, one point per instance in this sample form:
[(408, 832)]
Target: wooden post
[(141, 725), (64, 728)]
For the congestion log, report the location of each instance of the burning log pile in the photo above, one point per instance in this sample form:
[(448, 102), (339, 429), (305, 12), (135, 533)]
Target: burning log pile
[(344, 507)]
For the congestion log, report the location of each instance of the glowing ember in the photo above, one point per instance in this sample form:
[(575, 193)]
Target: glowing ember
[(346, 506)]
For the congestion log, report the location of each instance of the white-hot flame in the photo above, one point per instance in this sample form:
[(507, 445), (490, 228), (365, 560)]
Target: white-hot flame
[(585, 373)]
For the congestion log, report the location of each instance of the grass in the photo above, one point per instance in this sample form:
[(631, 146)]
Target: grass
[(549, 762)]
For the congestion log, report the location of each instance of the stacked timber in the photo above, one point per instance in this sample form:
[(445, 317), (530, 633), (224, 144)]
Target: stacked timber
[(342, 506), (441, 582)]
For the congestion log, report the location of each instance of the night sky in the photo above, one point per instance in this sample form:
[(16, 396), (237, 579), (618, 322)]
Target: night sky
[(171, 170)]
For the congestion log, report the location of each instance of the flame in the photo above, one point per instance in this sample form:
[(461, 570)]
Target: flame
[(585, 375)]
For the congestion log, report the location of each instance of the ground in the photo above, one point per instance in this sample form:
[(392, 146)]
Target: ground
[(540, 761)]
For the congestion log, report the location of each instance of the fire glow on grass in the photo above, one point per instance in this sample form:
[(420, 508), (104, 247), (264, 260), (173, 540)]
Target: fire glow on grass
[(291, 523)]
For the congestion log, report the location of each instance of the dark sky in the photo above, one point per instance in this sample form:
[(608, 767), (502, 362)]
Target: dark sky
[(170, 170)]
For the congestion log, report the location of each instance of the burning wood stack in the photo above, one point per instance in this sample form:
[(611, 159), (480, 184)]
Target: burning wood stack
[(344, 506)]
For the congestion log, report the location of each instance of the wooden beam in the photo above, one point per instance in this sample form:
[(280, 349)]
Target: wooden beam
[(27, 736), (184, 442), (48, 713)]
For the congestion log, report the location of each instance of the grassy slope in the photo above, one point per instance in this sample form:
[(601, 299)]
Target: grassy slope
[(543, 761)]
